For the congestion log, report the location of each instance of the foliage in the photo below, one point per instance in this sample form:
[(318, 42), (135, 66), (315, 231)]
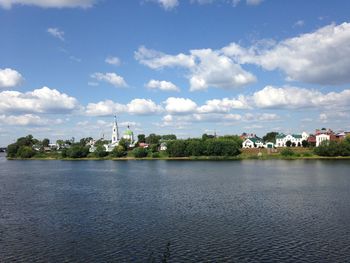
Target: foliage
[(270, 137), (25, 152), (333, 148), (141, 138), (76, 151), (124, 143), (119, 151), (155, 155), (168, 137), (153, 139), (177, 148), (12, 150), (224, 146), (100, 151), (101, 142), (288, 143), (287, 152), (206, 136), (305, 143), (153, 148), (85, 141), (139, 152), (46, 142)]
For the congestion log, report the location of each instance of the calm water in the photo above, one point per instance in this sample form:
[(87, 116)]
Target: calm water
[(132, 211)]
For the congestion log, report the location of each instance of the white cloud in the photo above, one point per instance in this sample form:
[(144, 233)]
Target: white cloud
[(162, 85), (110, 108), (55, 32), (299, 23), (27, 120), (168, 4), (180, 105), (10, 78), (320, 57), (113, 61), (295, 98), (111, 78), (157, 60), (143, 107), (7, 4), (224, 105), (207, 68), (44, 100), (218, 71), (105, 108)]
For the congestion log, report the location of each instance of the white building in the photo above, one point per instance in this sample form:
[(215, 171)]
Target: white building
[(295, 139), (252, 143), (321, 138), (115, 137)]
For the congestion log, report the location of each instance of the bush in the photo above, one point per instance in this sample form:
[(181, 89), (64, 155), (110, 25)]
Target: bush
[(287, 152), (119, 151), (333, 148), (222, 147), (25, 152), (140, 152), (77, 151), (12, 150), (155, 155), (177, 148), (100, 151)]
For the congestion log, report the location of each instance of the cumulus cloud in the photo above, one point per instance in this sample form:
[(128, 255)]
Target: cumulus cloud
[(167, 4), (162, 85), (208, 68), (27, 120), (157, 60), (113, 61), (55, 32), (44, 100), (110, 108), (105, 108), (180, 105), (111, 78), (224, 105), (294, 98), (10, 78), (320, 57), (254, 2), (143, 107), (7, 4)]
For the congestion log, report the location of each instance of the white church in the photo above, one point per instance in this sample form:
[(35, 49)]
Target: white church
[(127, 135)]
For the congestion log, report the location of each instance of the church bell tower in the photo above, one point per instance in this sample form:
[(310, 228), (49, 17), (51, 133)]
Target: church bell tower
[(115, 131)]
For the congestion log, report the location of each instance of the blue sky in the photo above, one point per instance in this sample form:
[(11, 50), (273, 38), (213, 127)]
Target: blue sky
[(172, 66)]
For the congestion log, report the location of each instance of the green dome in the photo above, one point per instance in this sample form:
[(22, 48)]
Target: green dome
[(128, 132)]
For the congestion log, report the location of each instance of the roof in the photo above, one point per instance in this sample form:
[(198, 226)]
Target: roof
[(297, 136), (255, 140), (128, 132), (280, 136)]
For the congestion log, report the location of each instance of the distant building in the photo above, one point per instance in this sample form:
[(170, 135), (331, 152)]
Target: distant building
[(295, 139), (255, 142)]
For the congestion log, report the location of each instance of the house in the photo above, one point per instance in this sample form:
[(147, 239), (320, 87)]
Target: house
[(253, 143), (143, 145), (295, 139), (269, 145), (163, 146), (311, 140)]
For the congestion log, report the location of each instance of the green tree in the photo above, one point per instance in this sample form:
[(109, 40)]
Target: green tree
[(100, 151), (84, 141), (305, 143), (288, 143), (46, 142), (12, 150), (141, 138), (168, 137), (153, 139), (270, 137), (177, 148), (124, 143), (119, 151), (77, 151), (25, 152), (195, 148), (206, 136), (139, 152)]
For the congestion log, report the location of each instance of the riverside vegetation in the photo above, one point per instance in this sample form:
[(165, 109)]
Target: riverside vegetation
[(207, 147)]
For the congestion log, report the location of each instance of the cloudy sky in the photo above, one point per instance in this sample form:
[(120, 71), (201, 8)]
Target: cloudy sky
[(172, 66)]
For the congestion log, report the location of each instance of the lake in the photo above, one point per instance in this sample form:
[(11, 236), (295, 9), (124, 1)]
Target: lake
[(184, 211)]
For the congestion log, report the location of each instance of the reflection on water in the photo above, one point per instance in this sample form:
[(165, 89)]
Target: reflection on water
[(175, 211)]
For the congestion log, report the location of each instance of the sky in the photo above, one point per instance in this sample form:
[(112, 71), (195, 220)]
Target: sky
[(183, 67)]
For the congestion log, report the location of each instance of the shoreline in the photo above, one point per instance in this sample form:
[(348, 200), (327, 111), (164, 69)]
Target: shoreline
[(192, 158)]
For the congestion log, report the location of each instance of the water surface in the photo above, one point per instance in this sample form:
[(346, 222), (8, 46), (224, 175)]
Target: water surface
[(132, 211)]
